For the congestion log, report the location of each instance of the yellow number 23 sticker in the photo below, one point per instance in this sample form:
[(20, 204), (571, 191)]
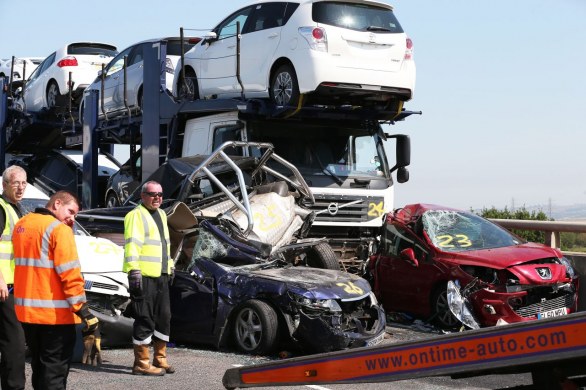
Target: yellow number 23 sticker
[(448, 241)]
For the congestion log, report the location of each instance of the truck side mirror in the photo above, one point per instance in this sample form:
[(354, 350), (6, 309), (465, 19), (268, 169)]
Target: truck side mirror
[(403, 150), (402, 175), (403, 156)]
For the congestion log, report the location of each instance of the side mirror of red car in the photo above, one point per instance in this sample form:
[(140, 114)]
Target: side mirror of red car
[(409, 256)]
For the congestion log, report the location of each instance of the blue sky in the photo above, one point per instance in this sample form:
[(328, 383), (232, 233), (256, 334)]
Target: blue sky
[(501, 84)]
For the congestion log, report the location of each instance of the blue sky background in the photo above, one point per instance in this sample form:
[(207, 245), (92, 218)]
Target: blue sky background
[(501, 84)]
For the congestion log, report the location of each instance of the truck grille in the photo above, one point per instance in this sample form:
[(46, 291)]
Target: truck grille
[(338, 209), (91, 285), (555, 303)]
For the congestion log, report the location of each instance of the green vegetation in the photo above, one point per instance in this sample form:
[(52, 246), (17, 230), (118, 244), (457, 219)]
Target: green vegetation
[(574, 242), (522, 213)]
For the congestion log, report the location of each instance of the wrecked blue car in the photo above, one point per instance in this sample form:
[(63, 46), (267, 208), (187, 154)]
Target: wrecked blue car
[(246, 274), (225, 296)]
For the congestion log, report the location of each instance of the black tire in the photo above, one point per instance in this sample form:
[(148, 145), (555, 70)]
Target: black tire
[(322, 256), (188, 90), (81, 111), (112, 200), (255, 328), (52, 94), (442, 315), (284, 88), (140, 100)]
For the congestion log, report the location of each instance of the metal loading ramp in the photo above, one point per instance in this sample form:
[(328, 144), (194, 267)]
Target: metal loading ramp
[(542, 347)]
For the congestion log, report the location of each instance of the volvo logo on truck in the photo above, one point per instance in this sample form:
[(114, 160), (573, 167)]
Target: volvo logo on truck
[(333, 208)]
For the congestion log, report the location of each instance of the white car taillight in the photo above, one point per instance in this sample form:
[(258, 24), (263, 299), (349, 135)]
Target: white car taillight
[(67, 61), (409, 50), (315, 37)]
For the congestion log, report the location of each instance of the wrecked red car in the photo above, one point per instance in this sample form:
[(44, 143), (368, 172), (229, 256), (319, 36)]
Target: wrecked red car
[(502, 278)]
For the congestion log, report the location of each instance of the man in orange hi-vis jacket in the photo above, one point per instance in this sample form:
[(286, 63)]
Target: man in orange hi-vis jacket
[(49, 295)]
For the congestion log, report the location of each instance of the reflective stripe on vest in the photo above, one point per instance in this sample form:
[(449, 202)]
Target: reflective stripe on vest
[(6, 251), (143, 247), (49, 286)]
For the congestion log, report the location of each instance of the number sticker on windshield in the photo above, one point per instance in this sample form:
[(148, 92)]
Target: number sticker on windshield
[(448, 241)]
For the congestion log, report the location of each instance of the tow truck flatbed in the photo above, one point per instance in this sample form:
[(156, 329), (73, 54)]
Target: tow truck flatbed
[(541, 347)]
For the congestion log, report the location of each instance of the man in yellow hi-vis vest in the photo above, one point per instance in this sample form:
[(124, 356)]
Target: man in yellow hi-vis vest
[(12, 340), (147, 260)]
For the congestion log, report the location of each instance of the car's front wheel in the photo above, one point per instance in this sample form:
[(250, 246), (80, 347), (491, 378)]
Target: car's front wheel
[(284, 88), (52, 94), (255, 327), (442, 314)]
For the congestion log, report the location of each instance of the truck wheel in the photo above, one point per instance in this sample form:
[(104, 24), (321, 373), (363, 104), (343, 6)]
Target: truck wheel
[(255, 328), (442, 314), (284, 88), (52, 94), (322, 256)]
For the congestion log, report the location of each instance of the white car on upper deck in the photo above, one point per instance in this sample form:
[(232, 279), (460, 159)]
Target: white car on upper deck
[(48, 86), (116, 101), (21, 69), (325, 52)]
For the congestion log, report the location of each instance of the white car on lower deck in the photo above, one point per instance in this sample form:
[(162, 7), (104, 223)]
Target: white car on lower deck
[(106, 286)]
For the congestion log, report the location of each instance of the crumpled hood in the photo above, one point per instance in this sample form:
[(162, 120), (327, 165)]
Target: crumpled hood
[(319, 283), (519, 260), (101, 265), (505, 257)]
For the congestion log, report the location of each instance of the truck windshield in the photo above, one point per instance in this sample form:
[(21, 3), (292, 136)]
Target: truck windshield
[(339, 153)]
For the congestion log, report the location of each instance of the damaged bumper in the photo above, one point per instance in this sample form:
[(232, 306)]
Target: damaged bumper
[(361, 326), (530, 304)]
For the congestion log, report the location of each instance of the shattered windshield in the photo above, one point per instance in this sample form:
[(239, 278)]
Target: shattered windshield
[(216, 245), (457, 231)]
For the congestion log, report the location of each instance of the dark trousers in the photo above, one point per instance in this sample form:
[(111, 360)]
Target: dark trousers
[(12, 346), (152, 311), (51, 348)]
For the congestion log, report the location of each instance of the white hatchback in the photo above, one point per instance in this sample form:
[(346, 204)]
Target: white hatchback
[(48, 86), (113, 76), (22, 68), (306, 51)]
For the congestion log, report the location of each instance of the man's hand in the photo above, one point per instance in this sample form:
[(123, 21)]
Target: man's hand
[(92, 349), (172, 276), (91, 322), (135, 282), (4, 293)]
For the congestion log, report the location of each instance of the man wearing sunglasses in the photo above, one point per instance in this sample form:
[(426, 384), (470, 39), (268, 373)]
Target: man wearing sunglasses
[(148, 262)]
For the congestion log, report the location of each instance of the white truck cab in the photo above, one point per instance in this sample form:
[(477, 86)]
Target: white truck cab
[(343, 162)]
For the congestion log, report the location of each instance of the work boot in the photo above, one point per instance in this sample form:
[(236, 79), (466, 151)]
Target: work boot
[(160, 357), (142, 365)]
